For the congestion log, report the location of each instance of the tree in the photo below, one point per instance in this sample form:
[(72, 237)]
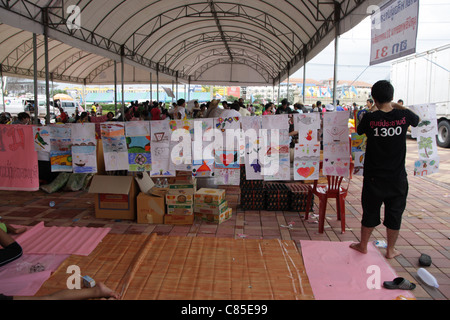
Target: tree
[(424, 144)]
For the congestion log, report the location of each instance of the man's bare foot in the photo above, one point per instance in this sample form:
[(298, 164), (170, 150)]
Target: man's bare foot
[(392, 253), (105, 292), (358, 247)]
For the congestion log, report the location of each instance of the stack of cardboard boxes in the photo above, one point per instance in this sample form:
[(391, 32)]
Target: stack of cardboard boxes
[(118, 197), (180, 201), (210, 205)]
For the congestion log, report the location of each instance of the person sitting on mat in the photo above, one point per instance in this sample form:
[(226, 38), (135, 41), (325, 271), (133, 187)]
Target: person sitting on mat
[(385, 179), (11, 250)]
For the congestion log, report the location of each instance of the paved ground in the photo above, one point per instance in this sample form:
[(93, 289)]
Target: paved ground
[(425, 228)]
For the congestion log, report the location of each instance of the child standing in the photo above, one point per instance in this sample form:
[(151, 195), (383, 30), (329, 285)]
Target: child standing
[(385, 178)]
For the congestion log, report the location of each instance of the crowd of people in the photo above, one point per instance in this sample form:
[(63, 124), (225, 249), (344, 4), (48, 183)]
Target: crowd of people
[(149, 110)]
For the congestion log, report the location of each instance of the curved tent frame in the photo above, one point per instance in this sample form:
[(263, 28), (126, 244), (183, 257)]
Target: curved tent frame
[(255, 42)]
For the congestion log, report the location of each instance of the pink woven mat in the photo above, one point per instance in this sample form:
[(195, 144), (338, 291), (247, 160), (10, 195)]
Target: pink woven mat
[(26, 275), (61, 240), (337, 272)]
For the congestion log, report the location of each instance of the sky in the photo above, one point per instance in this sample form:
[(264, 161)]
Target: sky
[(354, 47)]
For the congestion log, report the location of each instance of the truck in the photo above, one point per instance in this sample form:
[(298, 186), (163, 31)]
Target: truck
[(424, 78)]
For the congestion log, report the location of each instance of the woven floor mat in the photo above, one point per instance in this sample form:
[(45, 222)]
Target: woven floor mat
[(142, 267)]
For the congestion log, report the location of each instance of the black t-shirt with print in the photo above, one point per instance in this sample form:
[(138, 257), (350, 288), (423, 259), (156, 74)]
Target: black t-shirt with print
[(386, 142)]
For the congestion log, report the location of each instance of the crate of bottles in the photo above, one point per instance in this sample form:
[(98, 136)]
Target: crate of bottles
[(277, 196), (299, 197)]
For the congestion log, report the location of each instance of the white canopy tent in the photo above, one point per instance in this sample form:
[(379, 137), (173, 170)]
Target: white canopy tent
[(230, 42)]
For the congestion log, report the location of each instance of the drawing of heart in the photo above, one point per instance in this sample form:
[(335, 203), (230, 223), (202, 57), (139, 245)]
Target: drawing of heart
[(305, 171), (329, 170), (340, 171), (227, 159)]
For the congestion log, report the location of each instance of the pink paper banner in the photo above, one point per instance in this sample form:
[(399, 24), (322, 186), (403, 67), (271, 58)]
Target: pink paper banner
[(18, 158)]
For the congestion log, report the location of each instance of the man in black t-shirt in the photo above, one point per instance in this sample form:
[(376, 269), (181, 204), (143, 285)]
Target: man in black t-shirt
[(385, 179)]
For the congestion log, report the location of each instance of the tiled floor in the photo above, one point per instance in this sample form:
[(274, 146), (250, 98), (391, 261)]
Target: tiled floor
[(425, 229)]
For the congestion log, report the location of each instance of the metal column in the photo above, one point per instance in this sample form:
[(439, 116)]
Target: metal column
[(123, 86), (176, 82), (173, 88), (151, 88), (47, 80), (304, 80), (287, 88), (337, 8), (84, 94), (278, 95), (115, 87), (189, 88), (36, 102), (3, 88), (157, 83)]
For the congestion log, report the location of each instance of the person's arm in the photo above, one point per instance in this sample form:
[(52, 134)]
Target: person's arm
[(362, 126), (97, 292), (398, 106)]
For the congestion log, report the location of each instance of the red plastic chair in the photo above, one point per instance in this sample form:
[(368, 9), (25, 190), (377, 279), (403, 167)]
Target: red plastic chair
[(334, 189)]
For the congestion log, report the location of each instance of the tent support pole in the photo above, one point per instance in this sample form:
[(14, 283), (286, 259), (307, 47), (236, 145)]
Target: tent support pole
[(3, 88), (189, 88), (337, 9), (47, 81), (35, 80), (304, 80), (115, 87), (122, 67), (157, 83), (151, 87)]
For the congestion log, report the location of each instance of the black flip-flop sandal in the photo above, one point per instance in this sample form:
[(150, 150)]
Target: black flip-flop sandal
[(399, 283), (425, 260)]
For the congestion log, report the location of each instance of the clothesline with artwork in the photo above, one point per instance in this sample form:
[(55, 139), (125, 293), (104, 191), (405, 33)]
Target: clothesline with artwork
[(211, 147)]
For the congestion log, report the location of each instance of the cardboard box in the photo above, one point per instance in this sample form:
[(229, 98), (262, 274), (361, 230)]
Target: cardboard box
[(158, 192), (116, 196), (224, 216), (150, 208), (209, 196), (178, 209), (144, 181), (183, 182), (211, 208), (178, 219), (181, 198)]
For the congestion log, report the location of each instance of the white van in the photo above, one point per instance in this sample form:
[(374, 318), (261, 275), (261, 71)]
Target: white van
[(12, 105), (70, 107)]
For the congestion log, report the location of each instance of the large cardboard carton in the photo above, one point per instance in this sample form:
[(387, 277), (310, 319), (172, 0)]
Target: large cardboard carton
[(214, 218), (211, 208), (183, 182), (183, 199), (209, 196), (178, 219), (150, 209), (116, 196), (178, 209)]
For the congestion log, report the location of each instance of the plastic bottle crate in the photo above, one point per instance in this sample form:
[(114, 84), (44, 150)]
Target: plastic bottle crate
[(252, 199), (299, 197), (277, 196)]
